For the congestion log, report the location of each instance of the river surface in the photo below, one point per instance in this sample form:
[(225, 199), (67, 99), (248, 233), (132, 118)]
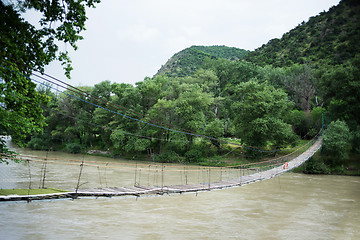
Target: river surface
[(292, 206)]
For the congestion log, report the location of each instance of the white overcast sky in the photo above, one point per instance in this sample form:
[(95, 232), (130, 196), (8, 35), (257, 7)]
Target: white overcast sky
[(127, 40)]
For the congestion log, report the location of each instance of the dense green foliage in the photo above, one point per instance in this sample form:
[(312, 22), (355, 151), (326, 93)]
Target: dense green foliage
[(189, 60), (336, 140), (260, 114), (317, 63), (24, 49), (340, 87), (166, 117), (330, 38)]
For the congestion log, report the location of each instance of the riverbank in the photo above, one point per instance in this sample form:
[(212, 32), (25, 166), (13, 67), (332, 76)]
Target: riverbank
[(235, 157), (7, 192), (231, 155)]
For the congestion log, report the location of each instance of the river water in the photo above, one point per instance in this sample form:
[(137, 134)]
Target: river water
[(292, 206)]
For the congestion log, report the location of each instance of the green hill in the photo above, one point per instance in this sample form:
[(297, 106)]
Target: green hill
[(187, 61), (331, 37)]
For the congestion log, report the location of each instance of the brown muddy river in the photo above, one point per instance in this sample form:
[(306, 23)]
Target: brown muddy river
[(292, 206)]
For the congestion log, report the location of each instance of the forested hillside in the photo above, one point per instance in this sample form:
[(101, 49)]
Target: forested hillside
[(329, 38), (187, 61), (204, 97)]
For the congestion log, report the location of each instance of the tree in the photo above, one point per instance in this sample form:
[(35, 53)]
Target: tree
[(151, 90), (260, 112), (230, 73), (336, 141), (300, 81), (299, 122), (340, 87), (215, 129), (118, 125), (191, 109), (24, 49), (163, 111)]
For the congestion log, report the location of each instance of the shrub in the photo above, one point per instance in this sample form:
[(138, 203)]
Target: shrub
[(73, 147), (316, 118), (37, 143), (167, 157), (338, 170), (356, 140), (315, 165), (193, 156), (299, 122)]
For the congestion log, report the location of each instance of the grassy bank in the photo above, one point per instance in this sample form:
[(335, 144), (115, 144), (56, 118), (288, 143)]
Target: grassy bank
[(30, 191)]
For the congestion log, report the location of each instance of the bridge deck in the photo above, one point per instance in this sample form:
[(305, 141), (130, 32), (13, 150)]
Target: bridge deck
[(146, 190)]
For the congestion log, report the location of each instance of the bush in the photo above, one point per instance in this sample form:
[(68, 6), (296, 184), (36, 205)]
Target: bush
[(167, 157), (73, 148), (316, 118), (340, 170), (178, 147), (299, 122), (315, 165), (356, 139), (193, 156), (37, 143)]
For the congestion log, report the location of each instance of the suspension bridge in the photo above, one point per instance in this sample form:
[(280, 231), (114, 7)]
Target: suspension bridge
[(274, 167), (263, 170)]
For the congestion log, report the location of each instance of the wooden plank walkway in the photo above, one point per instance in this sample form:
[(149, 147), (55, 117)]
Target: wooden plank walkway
[(148, 190)]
